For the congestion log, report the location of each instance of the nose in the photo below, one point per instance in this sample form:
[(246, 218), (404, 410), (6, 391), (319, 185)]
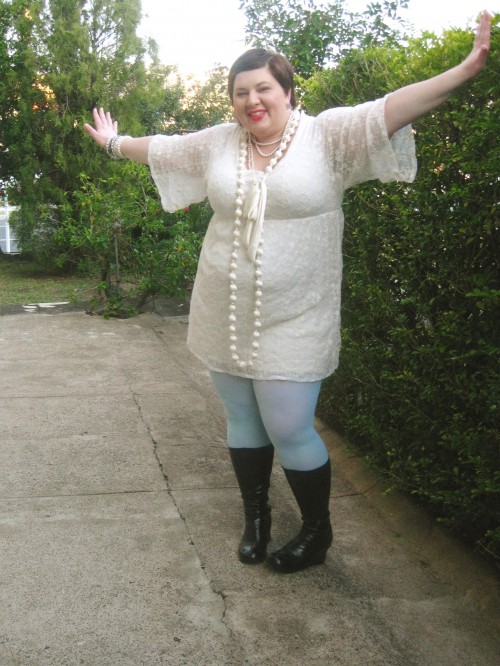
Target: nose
[(253, 98)]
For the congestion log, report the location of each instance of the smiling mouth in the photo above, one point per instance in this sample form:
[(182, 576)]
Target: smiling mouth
[(255, 116)]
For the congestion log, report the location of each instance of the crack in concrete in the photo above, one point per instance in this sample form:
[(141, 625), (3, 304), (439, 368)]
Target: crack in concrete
[(219, 593)]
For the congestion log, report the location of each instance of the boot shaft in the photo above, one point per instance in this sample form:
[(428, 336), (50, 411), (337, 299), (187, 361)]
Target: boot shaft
[(312, 489), (253, 468), (312, 492)]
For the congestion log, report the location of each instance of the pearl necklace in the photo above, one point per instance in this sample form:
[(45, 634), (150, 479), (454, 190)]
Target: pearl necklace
[(259, 144), (252, 207), (267, 143), (261, 153)]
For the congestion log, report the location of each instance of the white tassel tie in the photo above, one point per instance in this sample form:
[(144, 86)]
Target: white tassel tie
[(254, 210)]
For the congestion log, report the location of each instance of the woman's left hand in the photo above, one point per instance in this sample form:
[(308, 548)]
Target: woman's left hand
[(411, 102), (476, 59)]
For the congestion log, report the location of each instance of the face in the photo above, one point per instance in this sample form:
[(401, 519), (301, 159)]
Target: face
[(260, 103)]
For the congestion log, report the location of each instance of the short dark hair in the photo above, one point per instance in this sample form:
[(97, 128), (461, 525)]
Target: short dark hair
[(279, 66)]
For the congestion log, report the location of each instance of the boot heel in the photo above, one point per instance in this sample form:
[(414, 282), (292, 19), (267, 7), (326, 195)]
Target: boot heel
[(320, 558)]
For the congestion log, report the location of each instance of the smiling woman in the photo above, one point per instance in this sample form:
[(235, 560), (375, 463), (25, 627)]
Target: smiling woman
[(265, 308), (261, 105)]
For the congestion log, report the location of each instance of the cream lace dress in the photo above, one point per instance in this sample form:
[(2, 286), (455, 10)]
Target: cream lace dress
[(302, 235)]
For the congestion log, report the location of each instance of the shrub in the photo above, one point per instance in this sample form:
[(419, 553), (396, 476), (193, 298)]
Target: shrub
[(417, 389), (121, 231)]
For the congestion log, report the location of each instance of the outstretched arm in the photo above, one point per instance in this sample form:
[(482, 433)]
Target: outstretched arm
[(105, 128), (409, 103)]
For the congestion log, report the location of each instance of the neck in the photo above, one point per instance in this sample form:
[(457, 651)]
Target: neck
[(275, 137), (275, 149)]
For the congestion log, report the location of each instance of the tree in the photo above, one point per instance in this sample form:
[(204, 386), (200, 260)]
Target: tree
[(206, 103), (312, 35), (6, 89), (65, 57), (20, 97)]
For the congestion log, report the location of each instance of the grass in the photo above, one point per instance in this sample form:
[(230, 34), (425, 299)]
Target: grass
[(23, 282)]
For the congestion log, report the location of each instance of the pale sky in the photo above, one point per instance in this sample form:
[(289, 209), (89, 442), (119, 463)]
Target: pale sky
[(195, 35)]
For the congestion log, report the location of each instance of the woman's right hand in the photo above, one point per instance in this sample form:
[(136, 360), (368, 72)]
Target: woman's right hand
[(105, 127)]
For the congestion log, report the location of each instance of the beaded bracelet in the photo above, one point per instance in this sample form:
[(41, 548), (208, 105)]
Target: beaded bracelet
[(113, 146)]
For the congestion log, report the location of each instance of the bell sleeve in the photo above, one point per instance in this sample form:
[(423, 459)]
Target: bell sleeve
[(359, 148), (179, 164)]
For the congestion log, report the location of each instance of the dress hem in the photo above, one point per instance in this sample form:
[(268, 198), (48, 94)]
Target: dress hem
[(263, 376)]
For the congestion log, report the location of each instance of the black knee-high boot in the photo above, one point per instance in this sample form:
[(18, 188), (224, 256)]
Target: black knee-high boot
[(312, 492), (253, 472)]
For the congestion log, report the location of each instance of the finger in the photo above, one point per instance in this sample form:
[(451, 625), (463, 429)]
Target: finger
[(100, 120), (91, 131), (111, 124), (95, 114), (484, 27), (102, 117)]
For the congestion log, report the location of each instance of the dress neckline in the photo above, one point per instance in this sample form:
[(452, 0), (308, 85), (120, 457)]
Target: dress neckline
[(289, 150)]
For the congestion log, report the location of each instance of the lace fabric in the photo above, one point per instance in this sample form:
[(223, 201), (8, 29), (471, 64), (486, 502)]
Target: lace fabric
[(302, 234)]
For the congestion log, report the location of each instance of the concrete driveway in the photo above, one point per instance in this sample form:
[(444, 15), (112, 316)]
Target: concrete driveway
[(120, 518)]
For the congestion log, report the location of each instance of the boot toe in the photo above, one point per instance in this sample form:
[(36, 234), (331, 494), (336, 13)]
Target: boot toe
[(308, 549), (290, 564), (253, 550), (251, 556)]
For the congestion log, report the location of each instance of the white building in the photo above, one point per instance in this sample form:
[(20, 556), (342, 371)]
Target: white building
[(7, 242)]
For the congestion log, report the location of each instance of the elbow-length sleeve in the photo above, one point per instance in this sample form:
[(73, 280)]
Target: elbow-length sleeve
[(179, 166), (359, 148)]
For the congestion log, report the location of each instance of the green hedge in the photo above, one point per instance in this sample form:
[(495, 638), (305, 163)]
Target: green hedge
[(417, 389)]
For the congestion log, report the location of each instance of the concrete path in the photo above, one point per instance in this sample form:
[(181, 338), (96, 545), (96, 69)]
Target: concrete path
[(120, 517)]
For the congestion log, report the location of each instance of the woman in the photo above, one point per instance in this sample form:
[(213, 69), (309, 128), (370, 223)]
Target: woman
[(265, 306)]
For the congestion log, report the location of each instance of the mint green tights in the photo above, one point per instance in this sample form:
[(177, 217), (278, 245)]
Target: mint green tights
[(280, 412)]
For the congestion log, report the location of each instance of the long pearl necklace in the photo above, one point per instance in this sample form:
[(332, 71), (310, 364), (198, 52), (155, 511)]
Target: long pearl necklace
[(252, 207)]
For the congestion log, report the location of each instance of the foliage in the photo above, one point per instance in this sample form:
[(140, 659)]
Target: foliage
[(206, 103), (62, 58), (418, 384), (19, 98), (122, 231), (312, 35)]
